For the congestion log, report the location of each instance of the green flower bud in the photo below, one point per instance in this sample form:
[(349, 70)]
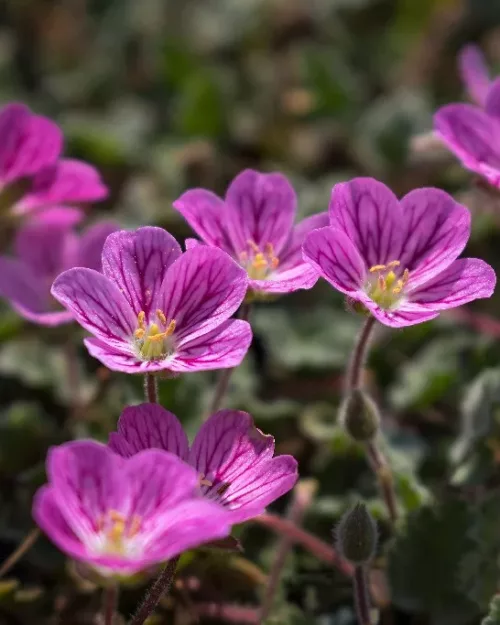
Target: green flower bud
[(360, 416), (357, 535)]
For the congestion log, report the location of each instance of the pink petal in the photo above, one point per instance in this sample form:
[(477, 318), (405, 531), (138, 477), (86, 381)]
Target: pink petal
[(96, 303), (202, 289), (291, 255), (436, 230), (474, 73), (28, 294), (400, 317), (47, 514), (190, 243), (29, 143), (207, 215), (473, 136), (87, 478), (302, 276), (261, 209), (186, 526), (230, 451), (67, 182), (157, 481), (492, 104), (333, 256), (42, 244), (91, 244), (120, 357), (368, 213), (138, 262), (464, 280), (221, 348), (149, 426)]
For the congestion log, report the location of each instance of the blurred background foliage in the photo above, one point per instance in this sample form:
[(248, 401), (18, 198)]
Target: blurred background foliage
[(162, 95)]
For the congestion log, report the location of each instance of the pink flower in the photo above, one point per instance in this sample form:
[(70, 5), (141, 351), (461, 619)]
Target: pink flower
[(398, 259), (471, 132), (121, 516), (31, 174), (254, 224), (44, 247), (154, 308), (233, 459)]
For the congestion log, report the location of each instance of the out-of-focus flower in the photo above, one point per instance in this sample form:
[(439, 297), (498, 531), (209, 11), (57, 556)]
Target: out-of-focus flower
[(471, 132), (121, 516), (234, 459), (474, 73), (254, 224), (32, 175), (154, 308), (44, 247), (398, 260)]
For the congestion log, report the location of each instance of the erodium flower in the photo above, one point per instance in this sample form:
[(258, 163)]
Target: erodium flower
[(121, 516), (398, 259), (32, 174), (254, 224), (471, 132), (154, 308), (44, 247), (234, 460)]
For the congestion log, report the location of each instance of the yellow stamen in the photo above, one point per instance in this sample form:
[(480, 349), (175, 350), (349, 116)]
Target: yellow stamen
[(161, 316), (204, 481), (139, 333), (387, 287), (141, 319), (393, 263), (377, 268)]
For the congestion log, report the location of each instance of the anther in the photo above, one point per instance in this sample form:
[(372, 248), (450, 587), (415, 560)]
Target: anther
[(393, 263), (141, 319), (161, 316), (377, 268), (139, 333)]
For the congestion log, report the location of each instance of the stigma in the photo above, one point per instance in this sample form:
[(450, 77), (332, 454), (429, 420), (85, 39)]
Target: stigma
[(116, 529), (153, 340), (258, 263), (386, 284)]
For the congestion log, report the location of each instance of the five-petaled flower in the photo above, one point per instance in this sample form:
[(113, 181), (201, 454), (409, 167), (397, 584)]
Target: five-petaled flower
[(398, 259), (472, 132), (44, 247), (155, 308), (123, 515), (254, 224), (233, 459), (32, 174)]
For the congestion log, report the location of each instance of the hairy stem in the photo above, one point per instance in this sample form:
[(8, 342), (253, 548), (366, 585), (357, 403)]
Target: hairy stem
[(110, 603), (161, 586), (358, 358), (302, 497), (225, 375), (25, 546), (308, 541), (361, 596), (151, 388), (378, 462)]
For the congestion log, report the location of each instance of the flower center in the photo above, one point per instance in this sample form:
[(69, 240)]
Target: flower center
[(116, 529), (153, 341), (386, 284), (258, 263), (211, 489)]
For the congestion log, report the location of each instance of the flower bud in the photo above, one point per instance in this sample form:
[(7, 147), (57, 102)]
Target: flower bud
[(357, 535), (360, 416)]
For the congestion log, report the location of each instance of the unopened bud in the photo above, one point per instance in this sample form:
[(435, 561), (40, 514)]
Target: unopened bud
[(360, 416), (357, 535)]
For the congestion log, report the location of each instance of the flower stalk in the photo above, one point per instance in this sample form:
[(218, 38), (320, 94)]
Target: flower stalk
[(151, 388), (361, 595), (110, 603), (377, 460), (161, 587)]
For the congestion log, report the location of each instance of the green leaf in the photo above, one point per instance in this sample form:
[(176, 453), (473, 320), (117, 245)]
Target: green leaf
[(424, 559)]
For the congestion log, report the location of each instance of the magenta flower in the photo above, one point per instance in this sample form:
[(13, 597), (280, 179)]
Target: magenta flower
[(121, 516), (254, 224), (398, 259), (154, 308), (44, 247), (30, 149), (471, 132), (233, 459)]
